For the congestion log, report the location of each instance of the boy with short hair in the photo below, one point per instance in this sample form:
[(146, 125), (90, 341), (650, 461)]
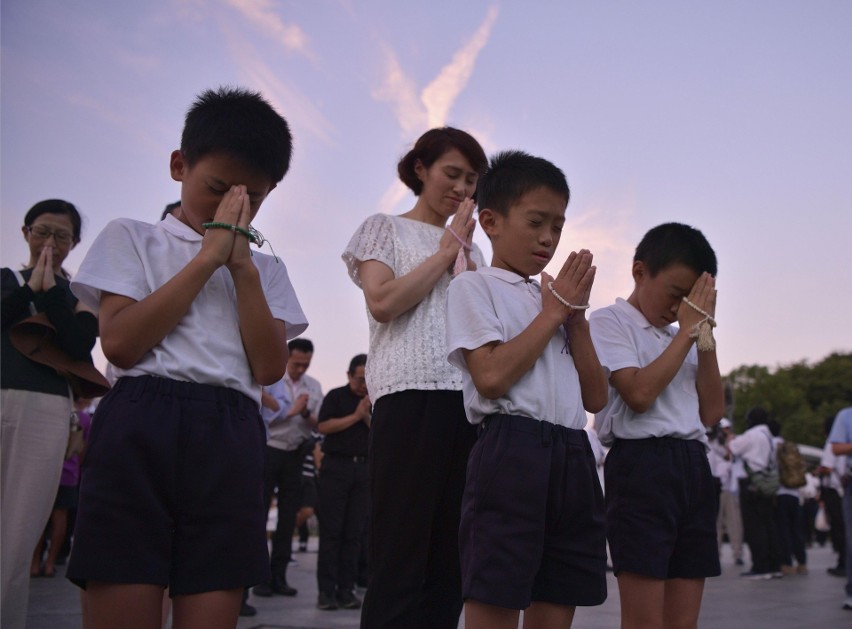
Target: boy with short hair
[(531, 533), (660, 494), (193, 324)]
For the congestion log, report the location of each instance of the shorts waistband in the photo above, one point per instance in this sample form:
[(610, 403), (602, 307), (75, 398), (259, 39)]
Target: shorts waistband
[(549, 432), (662, 442), (138, 386)]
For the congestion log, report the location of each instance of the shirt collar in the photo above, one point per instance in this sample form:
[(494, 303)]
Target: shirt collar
[(179, 229), (507, 276), (639, 319)]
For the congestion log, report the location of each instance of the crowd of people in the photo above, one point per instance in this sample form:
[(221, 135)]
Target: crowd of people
[(452, 473)]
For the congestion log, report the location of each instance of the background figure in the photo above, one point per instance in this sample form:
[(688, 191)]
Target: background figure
[(36, 402), (308, 501), (756, 446), (290, 412), (841, 445), (788, 518), (830, 472), (728, 469), (344, 420), (56, 533), (419, 438)]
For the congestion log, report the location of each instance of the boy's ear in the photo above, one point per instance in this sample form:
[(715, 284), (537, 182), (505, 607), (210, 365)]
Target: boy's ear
[(177, 165), (639, 270), (487, 220)]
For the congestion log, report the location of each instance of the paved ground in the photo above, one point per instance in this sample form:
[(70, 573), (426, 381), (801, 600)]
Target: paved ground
[(812, 601)]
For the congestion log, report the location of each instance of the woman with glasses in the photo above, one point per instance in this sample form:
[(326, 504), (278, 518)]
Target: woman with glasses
[(36, 401)]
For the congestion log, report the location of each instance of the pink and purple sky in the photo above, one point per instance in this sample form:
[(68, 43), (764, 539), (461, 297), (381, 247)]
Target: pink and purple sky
[(733, 117)]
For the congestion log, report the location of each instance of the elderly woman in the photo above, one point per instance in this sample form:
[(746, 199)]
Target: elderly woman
[(36, 401)]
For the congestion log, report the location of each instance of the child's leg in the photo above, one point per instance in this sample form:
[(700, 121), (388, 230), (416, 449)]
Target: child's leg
[(209, 610), (483, 616), (642, 600), (541, 615), (120, 605), (59, 520), (683, 603)]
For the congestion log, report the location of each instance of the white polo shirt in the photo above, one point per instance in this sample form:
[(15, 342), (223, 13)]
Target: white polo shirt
[(756, 447), (497, 305), (623, 338), (134, 259)]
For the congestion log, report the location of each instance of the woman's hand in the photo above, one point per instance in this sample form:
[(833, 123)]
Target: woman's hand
[(42, 276), (462, 225)]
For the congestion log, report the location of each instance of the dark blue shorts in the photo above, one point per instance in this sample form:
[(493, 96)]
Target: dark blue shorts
[(532, 524), (172, 489), (661, 508)]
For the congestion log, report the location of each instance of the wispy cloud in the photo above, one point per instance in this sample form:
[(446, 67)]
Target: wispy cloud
[(292, 103), (263, 14), (430, 108), (441, 93)]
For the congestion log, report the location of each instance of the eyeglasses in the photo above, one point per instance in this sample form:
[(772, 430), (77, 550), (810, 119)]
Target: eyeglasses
[(41, 232)]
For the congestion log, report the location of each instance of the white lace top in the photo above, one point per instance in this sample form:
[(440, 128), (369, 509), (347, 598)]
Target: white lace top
[(410, 351)]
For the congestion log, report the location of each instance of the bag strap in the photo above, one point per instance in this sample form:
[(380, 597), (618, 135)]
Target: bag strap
[(21, 283)]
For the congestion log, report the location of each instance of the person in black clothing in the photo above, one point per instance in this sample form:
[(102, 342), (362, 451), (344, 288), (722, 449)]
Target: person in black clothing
[(344, 419)]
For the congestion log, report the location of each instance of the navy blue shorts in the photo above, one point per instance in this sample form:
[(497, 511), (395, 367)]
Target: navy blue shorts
[(171, 492), (661, 508), (532, 524)]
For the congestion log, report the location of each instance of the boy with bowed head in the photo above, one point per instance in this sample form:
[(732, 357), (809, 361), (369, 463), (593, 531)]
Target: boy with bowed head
[(194, 324), (419, 437), (532, 531), (665, 390)]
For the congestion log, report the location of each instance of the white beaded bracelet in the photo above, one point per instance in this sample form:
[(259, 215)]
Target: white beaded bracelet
[(564, 301), (703, 330)]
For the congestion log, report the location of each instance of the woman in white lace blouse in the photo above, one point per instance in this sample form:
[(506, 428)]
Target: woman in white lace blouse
[(420, 437)]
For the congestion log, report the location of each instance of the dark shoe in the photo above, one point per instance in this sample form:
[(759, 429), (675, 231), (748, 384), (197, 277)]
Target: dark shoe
[(326, 602), (347, 600), (837, 572), (303, 548), (756, 576), (738, 562), (262, 589), (279, 586), (247, 610)]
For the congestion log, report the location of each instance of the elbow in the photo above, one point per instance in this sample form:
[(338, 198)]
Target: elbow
[(596, 404), (322, 428), (121, 357), (269, 376), (490, 388), (639, 404), (380, 312)]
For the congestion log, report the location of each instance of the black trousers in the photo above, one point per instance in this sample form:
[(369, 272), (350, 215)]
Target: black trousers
[(760, 529), (283, 469), (834, 510), (345, 498), (788, 515), (419, 445)]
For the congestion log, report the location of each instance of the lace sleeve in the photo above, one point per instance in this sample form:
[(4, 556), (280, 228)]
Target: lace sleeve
[(373, 240)]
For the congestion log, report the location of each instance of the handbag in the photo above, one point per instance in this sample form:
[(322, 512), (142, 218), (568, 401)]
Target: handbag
[(35, 338), (76, 444), (766, 481)]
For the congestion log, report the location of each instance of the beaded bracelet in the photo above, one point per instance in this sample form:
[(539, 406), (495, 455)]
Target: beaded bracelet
[(233, 228), (253, 235), (703, 330), (564, 301)]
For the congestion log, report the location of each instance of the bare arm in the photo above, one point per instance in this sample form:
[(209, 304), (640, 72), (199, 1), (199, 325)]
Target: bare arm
[(389, 296), (593, 384), (640, 387), (841, 448), (496, 367)]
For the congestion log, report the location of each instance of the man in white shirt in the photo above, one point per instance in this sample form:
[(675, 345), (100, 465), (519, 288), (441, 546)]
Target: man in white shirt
[(290, 408)]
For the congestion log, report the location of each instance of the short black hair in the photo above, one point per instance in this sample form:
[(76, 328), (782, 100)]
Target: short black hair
[(301, 345), (757, 416), (512, 174), (676, 243), (170, 207), (358, 361), (431, 145), (56, 206), (239, 123)]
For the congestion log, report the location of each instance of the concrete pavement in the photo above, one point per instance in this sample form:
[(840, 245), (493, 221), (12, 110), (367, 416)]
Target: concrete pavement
[(730, 602)]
